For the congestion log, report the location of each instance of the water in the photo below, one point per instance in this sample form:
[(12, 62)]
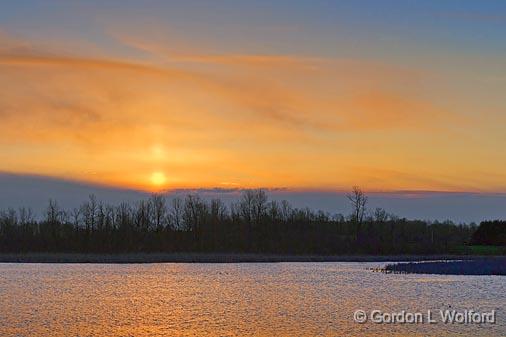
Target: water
[(269, 299)]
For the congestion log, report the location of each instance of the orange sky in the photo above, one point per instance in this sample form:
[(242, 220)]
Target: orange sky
[(173, 113)]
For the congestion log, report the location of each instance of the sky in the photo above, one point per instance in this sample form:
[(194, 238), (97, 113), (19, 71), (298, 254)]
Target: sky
[(313, 96)]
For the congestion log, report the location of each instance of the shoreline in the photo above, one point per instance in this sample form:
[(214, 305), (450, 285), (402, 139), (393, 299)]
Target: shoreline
[(136, 258)]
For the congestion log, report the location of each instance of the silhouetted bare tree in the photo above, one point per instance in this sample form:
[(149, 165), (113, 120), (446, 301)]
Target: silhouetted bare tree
[(358, 202), (158, 211), (176, 214)]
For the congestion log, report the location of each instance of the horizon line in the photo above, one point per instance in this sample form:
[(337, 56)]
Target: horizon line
[(223, 189)]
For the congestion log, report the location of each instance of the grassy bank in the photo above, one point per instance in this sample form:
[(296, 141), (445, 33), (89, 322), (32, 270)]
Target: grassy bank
[(481, 250)]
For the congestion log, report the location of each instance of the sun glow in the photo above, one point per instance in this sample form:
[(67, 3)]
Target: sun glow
[(158, 152), (158, 178)]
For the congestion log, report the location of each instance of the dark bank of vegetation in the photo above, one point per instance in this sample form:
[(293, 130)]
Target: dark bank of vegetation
[(253, 224), (477, 266)]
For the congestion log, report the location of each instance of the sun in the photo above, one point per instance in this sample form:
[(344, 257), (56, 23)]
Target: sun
[(158, 178)]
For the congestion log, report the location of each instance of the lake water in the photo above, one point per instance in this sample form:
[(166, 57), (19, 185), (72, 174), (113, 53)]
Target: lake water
[(268, 299)]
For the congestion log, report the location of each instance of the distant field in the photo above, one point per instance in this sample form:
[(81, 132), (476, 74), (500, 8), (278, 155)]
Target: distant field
[(482, 250)]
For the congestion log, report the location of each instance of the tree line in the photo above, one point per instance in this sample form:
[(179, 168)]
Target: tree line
[(491, 233), (252, 224)]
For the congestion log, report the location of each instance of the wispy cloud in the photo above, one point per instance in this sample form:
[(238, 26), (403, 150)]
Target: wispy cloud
[(247, 119)]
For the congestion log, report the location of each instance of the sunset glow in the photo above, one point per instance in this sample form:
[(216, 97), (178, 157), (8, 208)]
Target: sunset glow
[(158, 179), (106, 102)]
